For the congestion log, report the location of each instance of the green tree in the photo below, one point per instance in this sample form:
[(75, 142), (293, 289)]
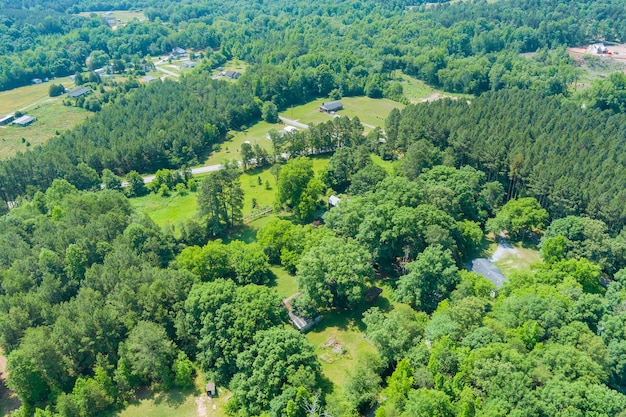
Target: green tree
[(220, 200), (269, 112), (136, 185), (149, 354), (334, 273), (297, 187), (430, 279), (278, 359), (111, 181), (519, 217)]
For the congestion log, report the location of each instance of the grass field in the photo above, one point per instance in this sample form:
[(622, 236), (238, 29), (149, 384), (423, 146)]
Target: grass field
[(29, 96), (370, 111), (418, 91), (51, 118)]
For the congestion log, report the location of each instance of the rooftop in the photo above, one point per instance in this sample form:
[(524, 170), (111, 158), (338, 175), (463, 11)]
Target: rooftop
[(24, 120), (79, 92)]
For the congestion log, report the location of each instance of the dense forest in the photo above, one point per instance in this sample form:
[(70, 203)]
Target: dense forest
[(97, 302)]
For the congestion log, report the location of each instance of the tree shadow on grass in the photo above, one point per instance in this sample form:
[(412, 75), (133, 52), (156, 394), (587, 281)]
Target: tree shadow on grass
[(174, 397)]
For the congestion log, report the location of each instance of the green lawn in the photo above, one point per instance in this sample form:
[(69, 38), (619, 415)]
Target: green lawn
[(166, 210), (31, 95), (285, 283), (370, 111), (522, 260), (179, 403)]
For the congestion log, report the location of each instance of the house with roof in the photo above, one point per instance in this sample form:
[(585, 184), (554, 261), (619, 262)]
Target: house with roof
[(100, 71), (24, 121), (233, 75), (333, 201), (178, 52), (5, 120), (283, 132), (79, 92), (302, 324), (331, 106), (148, 79), (189, 64)]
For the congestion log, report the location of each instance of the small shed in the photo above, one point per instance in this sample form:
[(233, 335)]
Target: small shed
[(5, 120), (333, 201), (189, 64), (79, 92), (373, 293), (100, 71), (24, 121), (148, 79), (331, 106), (211, 391), (36, 81)]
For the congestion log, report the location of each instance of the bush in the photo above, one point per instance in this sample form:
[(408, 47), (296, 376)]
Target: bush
[(56, 90)]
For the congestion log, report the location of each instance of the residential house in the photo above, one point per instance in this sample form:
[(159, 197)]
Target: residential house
[(230, 74), (189, 64)]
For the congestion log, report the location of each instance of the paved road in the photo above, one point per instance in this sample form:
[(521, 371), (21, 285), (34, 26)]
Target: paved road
[(488, 270), (173, 74), (293, 122)]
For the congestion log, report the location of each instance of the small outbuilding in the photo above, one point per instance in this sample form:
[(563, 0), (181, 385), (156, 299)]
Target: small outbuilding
[(178, 52), (211, 391), (373, 293), (333, 201), (36, 81), (331, 106), (148, 79), (100, 71), (24, 121), (5, 120), (189, 64), (79, 92)]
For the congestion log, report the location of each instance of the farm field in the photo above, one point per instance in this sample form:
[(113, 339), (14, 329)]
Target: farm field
[(52, 116)]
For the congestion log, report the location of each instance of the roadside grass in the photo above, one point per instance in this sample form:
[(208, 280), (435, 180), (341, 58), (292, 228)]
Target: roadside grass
[(231, 148), (51, 117), (170, 211), (522, 260)]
